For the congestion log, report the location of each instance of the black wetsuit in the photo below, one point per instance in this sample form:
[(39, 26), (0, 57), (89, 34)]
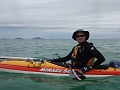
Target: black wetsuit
[(84, 54)]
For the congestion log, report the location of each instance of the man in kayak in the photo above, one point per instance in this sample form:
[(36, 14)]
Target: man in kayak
[(82, 55)]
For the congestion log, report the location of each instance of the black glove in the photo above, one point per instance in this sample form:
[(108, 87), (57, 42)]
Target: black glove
[(86, 69)]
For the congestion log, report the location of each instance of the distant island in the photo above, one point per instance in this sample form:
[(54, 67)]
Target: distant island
[(37, 38), (19, 38)]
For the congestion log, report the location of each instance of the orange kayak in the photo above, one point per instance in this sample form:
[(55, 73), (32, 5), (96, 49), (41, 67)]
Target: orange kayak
[(35, 66)]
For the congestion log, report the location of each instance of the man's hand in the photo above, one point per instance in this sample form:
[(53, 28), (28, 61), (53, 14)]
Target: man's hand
[(86, 69)]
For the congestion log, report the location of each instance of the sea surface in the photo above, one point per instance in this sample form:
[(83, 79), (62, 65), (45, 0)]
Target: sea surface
[(52, 48)]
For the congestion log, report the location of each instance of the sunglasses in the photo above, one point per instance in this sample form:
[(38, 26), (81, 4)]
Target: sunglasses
[(80, 36)]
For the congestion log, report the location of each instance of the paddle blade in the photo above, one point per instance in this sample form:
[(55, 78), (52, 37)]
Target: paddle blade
[(76, 75)]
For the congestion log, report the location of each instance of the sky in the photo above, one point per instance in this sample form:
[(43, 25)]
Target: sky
[(59, 18)]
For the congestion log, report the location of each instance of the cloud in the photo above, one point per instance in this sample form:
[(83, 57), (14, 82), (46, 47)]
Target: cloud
[(58, 16)]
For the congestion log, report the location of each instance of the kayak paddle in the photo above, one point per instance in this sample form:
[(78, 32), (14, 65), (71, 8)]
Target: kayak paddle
[(76, 75)]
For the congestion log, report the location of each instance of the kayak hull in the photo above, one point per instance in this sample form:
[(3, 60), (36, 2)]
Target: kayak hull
[(36, 67)]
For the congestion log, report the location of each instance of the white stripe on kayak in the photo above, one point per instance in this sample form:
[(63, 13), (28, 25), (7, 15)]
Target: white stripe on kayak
[(16, 58), (53, 74)]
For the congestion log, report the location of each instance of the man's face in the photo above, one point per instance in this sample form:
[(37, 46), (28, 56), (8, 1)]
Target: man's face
[(80, 37)]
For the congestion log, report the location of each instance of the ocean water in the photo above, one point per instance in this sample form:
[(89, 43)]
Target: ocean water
[(50, 48)]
